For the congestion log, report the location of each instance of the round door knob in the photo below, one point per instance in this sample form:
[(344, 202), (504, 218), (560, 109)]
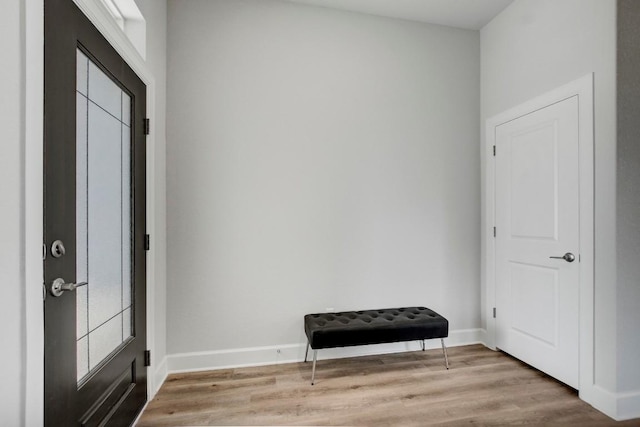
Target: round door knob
[(569, 257)]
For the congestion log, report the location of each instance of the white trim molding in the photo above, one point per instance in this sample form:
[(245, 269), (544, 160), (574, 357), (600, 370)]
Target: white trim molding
[(160, 374), (130, 20), (583, 89), (33, 104), (628, 405), (292, 353), (619, 406)]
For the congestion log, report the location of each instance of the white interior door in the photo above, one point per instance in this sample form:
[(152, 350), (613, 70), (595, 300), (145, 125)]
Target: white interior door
[(537, 218)]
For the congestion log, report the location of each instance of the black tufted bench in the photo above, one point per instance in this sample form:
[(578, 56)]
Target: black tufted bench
[(349, 328)]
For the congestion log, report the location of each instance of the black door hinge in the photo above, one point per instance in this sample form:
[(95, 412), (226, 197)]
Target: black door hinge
[(494, 232), (494, 151), (147, 358), (146, 126), (147, 242), (494, 312)]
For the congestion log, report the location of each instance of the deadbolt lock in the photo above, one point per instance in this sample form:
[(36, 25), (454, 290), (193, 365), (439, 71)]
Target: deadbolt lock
[(57, 249)]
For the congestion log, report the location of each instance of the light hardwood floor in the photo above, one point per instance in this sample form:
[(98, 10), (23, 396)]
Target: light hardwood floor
[(482, 387)]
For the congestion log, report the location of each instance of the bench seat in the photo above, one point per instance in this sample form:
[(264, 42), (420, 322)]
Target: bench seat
[(351, 328)]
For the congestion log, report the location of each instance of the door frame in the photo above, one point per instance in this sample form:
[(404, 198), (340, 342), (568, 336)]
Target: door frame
[(583, 89), (33, 109)]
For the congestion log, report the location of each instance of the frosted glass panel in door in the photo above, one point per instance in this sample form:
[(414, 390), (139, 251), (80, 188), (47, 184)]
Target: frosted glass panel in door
[(103, 216)]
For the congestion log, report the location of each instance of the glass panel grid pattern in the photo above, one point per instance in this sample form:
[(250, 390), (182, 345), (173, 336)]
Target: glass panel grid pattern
[(103, 216)]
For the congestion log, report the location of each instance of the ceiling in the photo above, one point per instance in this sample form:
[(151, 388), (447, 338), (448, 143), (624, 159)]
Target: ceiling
[(469, 14)]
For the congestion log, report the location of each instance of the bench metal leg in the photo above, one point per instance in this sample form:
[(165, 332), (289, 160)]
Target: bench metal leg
[(306, 353), (313, 371), (444, 350)]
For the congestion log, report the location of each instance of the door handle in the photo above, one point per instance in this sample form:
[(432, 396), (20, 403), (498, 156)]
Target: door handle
[(569, 257), (58, 287)]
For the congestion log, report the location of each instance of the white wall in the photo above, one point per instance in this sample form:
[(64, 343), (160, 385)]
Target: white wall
[(535, 46), (12, 367), (155, 14), (316, 158)]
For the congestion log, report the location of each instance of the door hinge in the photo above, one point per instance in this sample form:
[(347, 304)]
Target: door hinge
[(147, 242), (494, 232), (146, 126), (147, 358), (494, 312), (494, 151)]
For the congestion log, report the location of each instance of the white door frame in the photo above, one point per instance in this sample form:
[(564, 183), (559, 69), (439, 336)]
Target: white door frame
[(583, 88), (33, 68)]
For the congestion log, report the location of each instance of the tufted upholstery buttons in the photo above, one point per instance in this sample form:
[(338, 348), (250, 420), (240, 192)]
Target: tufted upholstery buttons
[(327, 330)]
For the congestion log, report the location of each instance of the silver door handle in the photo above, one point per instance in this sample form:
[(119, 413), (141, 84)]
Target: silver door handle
[(569, 257), (58, 287)]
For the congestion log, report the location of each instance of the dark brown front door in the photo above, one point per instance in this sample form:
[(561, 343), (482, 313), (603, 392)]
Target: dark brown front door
[(94, 226)]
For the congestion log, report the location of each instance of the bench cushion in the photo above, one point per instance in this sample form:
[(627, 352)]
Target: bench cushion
[(327, 330)]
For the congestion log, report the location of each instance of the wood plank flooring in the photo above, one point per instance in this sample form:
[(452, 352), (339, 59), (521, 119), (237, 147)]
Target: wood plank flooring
[(482, 387)]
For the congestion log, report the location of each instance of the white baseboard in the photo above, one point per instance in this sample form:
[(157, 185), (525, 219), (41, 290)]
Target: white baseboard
[(601, 399), (290, 353), (619, 406), (628, 406)]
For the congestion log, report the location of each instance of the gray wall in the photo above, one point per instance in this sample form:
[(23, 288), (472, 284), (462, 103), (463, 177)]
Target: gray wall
[(316, 159), (628, 195), (535, 46), (12, 318)]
